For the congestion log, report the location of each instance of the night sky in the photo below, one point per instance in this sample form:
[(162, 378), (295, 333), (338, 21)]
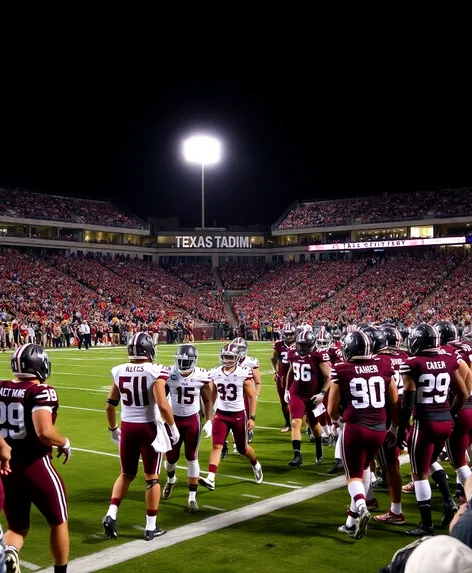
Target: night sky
[(289, 132)]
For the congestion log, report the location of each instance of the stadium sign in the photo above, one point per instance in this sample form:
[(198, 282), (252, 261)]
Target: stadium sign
[(212, 242), (388, 244)]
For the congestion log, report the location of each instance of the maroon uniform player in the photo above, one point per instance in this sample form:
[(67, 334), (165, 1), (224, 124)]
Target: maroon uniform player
[(280, 366), (307, 383), (28, 410), (427, 376)]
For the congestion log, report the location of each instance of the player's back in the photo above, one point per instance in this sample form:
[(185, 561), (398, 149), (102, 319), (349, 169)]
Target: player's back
[(395, 358), (363, 385), (135, 383), (18, 401), (250, 362)]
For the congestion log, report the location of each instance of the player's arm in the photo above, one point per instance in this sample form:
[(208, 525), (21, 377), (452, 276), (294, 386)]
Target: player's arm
[(392, 395), (409, 398), (206, 393), (112, 402), (5, 456), (289, 377), (159, 391), (275, 364), (334, 403), (45, 429), (460, 390), (326, 371), (252, 399), (256, 374)]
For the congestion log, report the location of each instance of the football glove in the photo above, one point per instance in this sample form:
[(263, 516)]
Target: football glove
[(318, 398), (287, 396), (116, 435), (65, 450), (337, 427), (392, 435), (174, 434), (207, 429)]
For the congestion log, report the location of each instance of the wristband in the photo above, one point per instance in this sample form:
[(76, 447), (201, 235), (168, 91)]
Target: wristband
[(253, 418), (113, 429), (323, 392), (66, 445)]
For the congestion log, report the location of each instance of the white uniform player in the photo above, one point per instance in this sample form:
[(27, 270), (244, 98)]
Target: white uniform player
[(140, 385), (186, 382), (232, 383)]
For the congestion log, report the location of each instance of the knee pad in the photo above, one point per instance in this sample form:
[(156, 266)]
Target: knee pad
[(150, 483), (169, 467), (193, 469)]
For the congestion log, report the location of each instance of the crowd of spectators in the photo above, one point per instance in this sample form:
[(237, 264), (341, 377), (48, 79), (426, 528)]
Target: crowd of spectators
[(454, 202), (240, 276), (196, 275), (28, 204)]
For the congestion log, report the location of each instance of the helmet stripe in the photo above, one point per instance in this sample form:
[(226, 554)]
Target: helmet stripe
[(19, 352)]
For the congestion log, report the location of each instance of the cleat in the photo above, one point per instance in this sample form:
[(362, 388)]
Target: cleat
[(208, 483), (250, 436), (324, 440), (338, 468), (450, 510), (420, 531), (167, 491), (224, 451), (362, 522), (409, 488), (109, 527), (349, 531), (319, 460), (193, 506), (297, 460), (258, 475), (150, 535), (372, 504), (285, 429), (389, 517), (235, 450), (12, 560)]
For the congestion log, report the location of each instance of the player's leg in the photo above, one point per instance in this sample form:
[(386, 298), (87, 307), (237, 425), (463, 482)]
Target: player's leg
[(59, 543), (152, 468), (130, 450), (220, 429), (297, 412), (442, 432), (388, 460), (239, 428), (284, 406), (317, 432), (172, 457), (192, 443)]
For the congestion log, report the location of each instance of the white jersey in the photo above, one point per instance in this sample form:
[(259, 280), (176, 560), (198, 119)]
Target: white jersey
[(250, 362), (185, 390), (135, 383), (230, 388)]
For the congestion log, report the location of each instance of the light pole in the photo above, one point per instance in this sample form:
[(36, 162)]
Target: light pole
[(203, 150)]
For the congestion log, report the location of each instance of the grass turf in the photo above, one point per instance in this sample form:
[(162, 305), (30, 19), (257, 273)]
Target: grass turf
[(304, 534)]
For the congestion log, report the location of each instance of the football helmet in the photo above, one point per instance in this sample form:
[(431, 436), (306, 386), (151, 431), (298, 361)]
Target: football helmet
[(242, 345), (423, 337), (141, 346), (229, 355), (393, 335), (378, 340), (31, 361), (323, 339), (336, 335), (448, 332), (362, 326), (186, 358), (305, 342), (289, 331), (357, 345)]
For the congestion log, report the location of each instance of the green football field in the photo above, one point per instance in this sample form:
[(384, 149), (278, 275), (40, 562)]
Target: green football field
[(241, 526)]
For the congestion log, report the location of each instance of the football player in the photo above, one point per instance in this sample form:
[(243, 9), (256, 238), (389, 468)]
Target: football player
[(30, 409), (231, 383), (361, 386), (5, 456), (307, 383), (427, 377), (140, 385), (186, 384), (280, 366)]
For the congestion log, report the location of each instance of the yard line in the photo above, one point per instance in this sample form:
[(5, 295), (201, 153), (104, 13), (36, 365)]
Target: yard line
[(213, 508), (127, 551), (293, 482), (275, 484), (101, 390), (30, 566), (85, 409), (251, 496)]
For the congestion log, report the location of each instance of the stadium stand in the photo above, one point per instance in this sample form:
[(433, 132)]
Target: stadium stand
[(240, 276), (198, 275)]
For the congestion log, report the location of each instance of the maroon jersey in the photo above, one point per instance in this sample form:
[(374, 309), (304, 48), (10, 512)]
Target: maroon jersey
[(432, 374), (306, 372), (283, 364), (335, 354), (363, 385), (18, 401), (396, 359), (462, 351)]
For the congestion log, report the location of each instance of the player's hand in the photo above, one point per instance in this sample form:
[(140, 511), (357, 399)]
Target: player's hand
[(401, 440), (318, 398), (275, 376), (250, 425), (174, 434), (65, 450), (287, 396), (337, 427), (391, 437), (5, 455), (116, 435), (207, 428)]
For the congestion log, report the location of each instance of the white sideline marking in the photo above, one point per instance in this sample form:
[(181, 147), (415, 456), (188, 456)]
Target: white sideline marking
[(251, 496), (214, 508), (30, 566), (293, 482), (275, 484), (126, 551)]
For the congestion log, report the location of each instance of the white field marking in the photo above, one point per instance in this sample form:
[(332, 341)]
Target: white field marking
[(275, 484), (269, 401), (86, 409), (251, 496), (213, 508), (293, 482), (127, 551), (100, 390), (30, 566), (139, 527)]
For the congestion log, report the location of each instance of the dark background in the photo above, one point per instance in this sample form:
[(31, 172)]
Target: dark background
[(291, 129)]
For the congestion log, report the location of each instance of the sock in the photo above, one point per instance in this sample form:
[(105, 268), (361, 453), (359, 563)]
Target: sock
[(337, 449), (366, 482), (192, 491), (254, 463), (325, 430), (287, 420), (296, 445), (440, 478), (170, 469), (462, 474), (423, 497), (352, 515), (396, 508), (319, 448), (151, 517), (212, 469), (60, 568), (211, 476), (113, 509), (357, 492)]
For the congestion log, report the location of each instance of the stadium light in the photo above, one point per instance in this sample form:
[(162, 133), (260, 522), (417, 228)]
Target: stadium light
[(204, 150)]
